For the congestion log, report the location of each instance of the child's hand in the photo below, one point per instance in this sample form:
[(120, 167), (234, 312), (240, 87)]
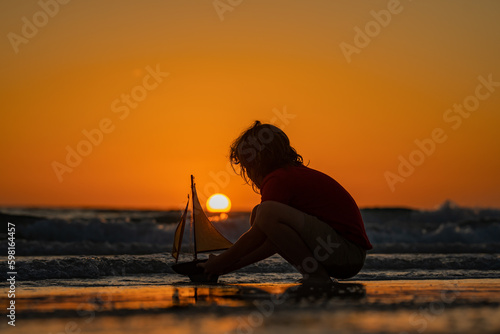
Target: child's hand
[(210, 266)]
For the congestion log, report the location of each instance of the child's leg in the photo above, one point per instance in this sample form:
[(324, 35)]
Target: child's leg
[(275, 229), (253, 214), (282, 225)]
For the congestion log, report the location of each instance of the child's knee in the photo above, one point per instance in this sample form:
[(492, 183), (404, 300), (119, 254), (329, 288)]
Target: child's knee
[(253, 214), (271, 213), (266, 215), (267, 208)]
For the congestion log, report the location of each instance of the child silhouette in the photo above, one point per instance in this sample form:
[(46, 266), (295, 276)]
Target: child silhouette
[(305, 216)]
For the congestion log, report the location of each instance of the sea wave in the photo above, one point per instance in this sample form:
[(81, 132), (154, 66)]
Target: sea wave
[(447, 229), (117, 235)]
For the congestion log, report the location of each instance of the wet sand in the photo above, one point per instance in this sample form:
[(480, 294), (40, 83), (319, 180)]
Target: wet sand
[(412, 306)]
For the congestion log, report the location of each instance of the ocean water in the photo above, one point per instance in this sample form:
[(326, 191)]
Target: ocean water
[(450, 242), (108, 271)]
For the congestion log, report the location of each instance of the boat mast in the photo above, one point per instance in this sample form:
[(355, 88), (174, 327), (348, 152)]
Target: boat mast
[(193, 215)]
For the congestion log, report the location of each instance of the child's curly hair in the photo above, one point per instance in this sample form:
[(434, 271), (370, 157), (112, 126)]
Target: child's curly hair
[(261, 149)]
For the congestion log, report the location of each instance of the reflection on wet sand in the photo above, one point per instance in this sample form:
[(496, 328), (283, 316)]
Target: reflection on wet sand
[(114, 299), (385, 306)]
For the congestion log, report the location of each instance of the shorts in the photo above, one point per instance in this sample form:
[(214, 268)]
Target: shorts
[(340, 257)]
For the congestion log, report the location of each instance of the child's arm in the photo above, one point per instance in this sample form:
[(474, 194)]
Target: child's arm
[(262, 252), (246, 244)]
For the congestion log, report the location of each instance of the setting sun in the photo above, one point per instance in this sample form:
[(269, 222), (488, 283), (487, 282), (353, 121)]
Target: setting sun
[(218, 203)]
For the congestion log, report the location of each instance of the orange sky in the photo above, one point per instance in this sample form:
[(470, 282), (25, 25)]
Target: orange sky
[(350, 118)]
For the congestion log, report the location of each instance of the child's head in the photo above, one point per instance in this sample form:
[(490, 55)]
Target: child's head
[(260, 150)]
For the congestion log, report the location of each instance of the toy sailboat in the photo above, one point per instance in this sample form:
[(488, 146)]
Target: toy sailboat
[(205, 236)]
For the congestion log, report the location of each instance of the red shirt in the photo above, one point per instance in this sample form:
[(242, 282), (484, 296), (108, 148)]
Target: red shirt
[(318, 195)]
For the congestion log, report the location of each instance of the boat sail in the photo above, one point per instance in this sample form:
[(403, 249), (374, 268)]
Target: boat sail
[(179, 232), (206, 237)]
